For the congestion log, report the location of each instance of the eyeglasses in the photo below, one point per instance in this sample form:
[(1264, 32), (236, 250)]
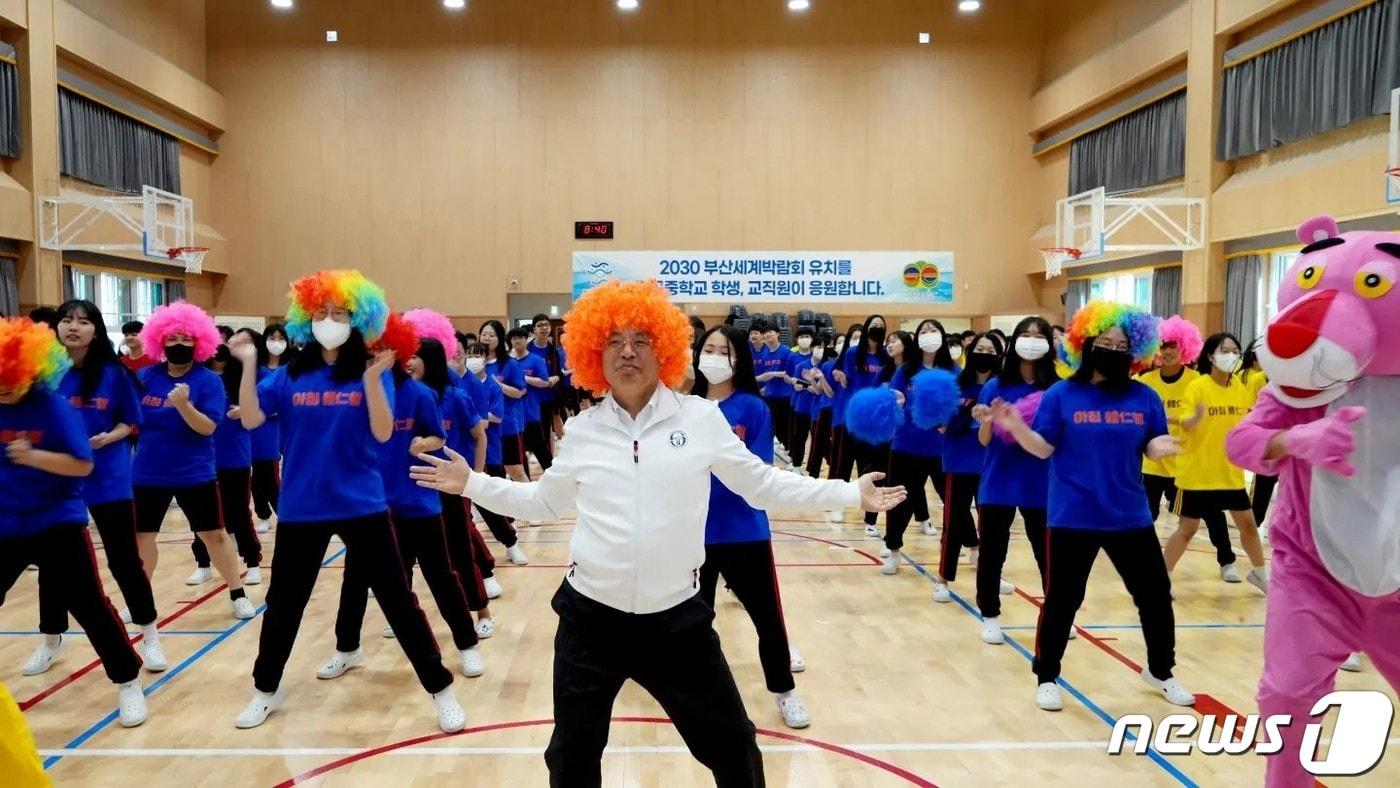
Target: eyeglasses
[(1107, 345), (334, 313), (641, 343)]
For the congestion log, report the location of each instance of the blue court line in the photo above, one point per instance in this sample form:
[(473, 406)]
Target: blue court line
[(130, 633), (1139, 626), (1080, 696), (151, 689)]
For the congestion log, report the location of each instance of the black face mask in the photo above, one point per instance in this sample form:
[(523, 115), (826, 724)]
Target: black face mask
[(876, 334), (983, 363), (179, 355), (1114, 365)]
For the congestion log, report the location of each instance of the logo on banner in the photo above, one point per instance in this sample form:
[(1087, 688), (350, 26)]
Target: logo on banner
[(921, 275), (600, 271)]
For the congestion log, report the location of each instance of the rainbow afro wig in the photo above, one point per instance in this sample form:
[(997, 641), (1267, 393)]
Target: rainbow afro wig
[(614, 306), (399, 336), (181, 317), (1096, 317), (1184, 334), (349, 290), (30, 355), (434, 325)]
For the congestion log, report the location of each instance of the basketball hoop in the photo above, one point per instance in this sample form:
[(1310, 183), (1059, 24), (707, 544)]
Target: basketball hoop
[(191, 256), (1056, 257)]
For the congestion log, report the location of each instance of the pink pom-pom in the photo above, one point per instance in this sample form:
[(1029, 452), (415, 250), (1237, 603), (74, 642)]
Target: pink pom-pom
[(434, 325), (1027, 406)]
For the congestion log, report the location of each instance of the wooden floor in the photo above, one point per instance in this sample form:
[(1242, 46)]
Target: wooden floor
[(901, 690)]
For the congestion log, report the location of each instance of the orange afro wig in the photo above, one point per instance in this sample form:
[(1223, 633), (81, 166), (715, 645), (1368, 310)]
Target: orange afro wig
[(603, 311)]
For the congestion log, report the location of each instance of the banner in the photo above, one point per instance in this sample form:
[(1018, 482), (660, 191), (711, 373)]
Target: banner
[(777, 277)]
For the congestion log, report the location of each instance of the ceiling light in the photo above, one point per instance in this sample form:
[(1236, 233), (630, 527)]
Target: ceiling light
[(924, 38), (968, 6), (454, 4), (798, 5), (627, 5), (281, 3), (332, 36)]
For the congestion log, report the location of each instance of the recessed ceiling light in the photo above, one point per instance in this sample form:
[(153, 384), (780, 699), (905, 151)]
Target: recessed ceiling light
[(627, 5), (968, 6), (455, 4), (924, 38), (332, 36), (281, 3), (799, 5)]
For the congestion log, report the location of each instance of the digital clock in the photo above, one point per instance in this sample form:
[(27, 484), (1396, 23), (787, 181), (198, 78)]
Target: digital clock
[(589, 231)]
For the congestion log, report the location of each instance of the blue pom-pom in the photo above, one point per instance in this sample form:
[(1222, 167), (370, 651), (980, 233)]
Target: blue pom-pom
[(934, 398), (872, 415)]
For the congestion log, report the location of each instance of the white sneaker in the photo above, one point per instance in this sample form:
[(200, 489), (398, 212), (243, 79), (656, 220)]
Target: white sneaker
[(871, 532), (836, 516), (516, 555), (131, 704), (795, 661), (972, 556), (891, 565), (42, 658), (262, 527), (370, 592), (884, 552), (1006, 588), (1171, 689), (153, 655), (929, 528), (1231, 574), (259, 707), (794, 713), (493, 588), (451, 717), (253, 577), (486, 628), (388, 632), (243, 608), (202, 574), (339, 663), (1073, 633), (991, 632), (472, 663), (125, 615), (1352, 663), (1047, 697), (1259, 578), (941, 593)]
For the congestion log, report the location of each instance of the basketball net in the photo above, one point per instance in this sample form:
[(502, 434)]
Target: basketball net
[(191, 256), (1055, 259)]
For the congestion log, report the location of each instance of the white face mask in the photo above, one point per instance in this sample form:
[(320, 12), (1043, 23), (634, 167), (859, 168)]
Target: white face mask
[(716, 369), (276, 347), (1032, 348), (817, 353), (476, 365), (330, 334), (1227, 362), (930, 343), (804, 342), (955, 351)]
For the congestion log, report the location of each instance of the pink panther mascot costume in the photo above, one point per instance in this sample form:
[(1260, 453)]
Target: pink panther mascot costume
[(1329, 425)]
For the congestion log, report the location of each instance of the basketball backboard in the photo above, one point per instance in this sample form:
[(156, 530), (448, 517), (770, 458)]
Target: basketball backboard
[(150, 224)]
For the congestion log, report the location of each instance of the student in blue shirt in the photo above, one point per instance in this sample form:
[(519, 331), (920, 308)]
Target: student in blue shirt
[(102, 391), (509, 374), (842, 459), (738, 543), (963, 459), (539, 385), (799, 363), (771, 364), (818, 377), (553, 402), (43, 519), (267, 439), (867, 365), (1095, 428), (494, 406), (182, 403), (336, 404)]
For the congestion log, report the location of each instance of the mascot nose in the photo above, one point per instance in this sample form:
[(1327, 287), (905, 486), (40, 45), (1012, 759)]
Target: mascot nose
[(1296, 330)]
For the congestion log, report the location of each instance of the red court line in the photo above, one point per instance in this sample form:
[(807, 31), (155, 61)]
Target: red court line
[(872, 559), (898, 771)]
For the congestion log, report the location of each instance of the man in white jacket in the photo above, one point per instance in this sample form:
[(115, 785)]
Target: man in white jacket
[(636, 469)]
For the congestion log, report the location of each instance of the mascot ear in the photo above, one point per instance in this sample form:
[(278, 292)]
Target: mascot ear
[(1318, 228)]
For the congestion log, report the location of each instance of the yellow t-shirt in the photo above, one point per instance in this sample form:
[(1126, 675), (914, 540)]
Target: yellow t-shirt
[(1202, 464), (1256, 382), (1173, 397), (19, 761)]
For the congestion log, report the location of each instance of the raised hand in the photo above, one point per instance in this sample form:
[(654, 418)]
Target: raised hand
[(1328, 442), (180, 395), (381, 363), (242, 348), (449, 476)]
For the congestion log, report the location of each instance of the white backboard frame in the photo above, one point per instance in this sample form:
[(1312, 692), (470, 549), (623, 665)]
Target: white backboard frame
[(1089, 221), (157, 220)]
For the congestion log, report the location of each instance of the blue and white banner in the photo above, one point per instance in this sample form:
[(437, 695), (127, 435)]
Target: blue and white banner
[(778, 277)]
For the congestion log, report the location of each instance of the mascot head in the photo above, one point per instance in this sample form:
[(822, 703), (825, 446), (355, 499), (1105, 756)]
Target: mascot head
[(1337, 313)]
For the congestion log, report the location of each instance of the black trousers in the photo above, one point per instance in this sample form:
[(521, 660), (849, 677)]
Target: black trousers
[(821, 444), (421, 540), (234, 497), (466, 557), (781, 408), (1219, 531), (1137, 556), (996, 538), (869, 459), (199, 502), (843, 458), (675, 656), (372, 551), (749, 571), (68, 567), (1263, 494), (959, 529), (116, 524), (800, 426), (537, 441), (499, 525), (912, 471), (267, 486)]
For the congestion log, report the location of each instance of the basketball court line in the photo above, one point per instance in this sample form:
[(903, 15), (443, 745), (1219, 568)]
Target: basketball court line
[(131, 634)]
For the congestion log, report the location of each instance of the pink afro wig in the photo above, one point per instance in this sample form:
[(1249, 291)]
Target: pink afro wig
[(1185, 334), (434, 325), (641, 306), (181, 317)]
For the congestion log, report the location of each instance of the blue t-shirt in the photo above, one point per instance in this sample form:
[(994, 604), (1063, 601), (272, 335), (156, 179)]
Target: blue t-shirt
[(824, 401), (489, 400), (332, 458), (775, 360), (542, 353), (857, 379), (1099, 438), (802, 396), (267, 439), (1012, 476), (233, 445), (730, 518), (32, 500), (113, 402), (459, 416), (513, 420), (169, 453), (535, 367), (416, 415), (909, 438), (962, 451)]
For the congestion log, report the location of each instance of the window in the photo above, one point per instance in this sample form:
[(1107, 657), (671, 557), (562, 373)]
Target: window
[(1131, 288), (122, 298), (1270, 278)]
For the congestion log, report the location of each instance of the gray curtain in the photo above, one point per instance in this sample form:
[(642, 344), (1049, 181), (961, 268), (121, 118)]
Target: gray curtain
[(1076, 295), (9, 110), (109, 149), (1336, 75), (70, 286), (1242, 295), (174, 290), (9, 288), (1166, 291), (1142, 148)]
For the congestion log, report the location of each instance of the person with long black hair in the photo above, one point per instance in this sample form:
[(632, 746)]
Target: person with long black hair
[(866, 365), (336, 404), (1254, 379), (100, 388), (493, 403), (842, 450), (267, 441), (511, 377), (539, 383), (799, 362), (818, 377)]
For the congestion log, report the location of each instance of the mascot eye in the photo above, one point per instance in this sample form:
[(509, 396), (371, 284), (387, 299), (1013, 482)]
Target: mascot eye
[(1310, 276), (1370, 284)]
